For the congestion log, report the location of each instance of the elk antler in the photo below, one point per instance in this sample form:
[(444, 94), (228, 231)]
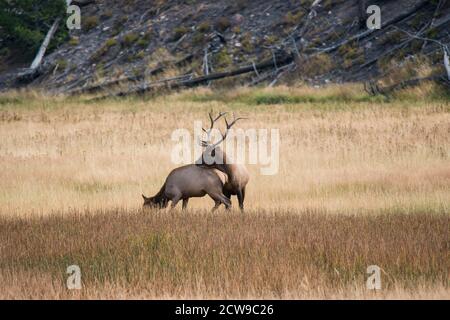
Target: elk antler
[(229, 125), (205, 143)]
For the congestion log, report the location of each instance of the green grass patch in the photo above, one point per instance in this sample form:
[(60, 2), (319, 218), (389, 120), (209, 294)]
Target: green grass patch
[(272, 98)]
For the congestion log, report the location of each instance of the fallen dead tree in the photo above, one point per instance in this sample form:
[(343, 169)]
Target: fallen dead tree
[(270, 69), (444, 22), (277, 65), (369, 32), (313, 33), (104, 85), (281, 59), (442, 78)]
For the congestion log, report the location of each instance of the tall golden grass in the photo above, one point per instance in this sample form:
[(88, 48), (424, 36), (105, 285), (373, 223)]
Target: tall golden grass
[(265, 254), (362, 180)]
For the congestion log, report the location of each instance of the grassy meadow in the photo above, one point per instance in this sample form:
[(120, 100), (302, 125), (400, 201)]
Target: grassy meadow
[(362, 180)]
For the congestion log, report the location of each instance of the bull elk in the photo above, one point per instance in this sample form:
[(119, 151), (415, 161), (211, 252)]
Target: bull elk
[(238, 175), (219, 181)]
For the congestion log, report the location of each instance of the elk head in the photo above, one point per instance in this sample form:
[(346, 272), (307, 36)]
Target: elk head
[(213, 154), (155, 202)]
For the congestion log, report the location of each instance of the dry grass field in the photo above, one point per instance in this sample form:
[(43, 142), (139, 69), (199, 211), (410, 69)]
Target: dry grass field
[(362, 181)]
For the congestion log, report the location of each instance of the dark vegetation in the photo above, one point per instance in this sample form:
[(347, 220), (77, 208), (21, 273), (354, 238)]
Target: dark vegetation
[(24, 24), (125, 42)]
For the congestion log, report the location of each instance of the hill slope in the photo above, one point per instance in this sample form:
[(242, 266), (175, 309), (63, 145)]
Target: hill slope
[(136, 40)]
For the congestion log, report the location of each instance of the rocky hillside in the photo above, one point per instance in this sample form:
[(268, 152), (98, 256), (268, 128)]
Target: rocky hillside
[(138, 45)]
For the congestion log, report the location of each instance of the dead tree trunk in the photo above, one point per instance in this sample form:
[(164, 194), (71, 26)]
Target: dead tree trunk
[(362, 14), (366, 33), (160, 68), (447, 63), (282, 60), (412, 83), (40, 55)]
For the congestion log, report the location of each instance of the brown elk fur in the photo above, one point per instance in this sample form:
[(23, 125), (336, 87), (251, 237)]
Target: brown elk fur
[(238, 175), (187, 182), (220, 180)]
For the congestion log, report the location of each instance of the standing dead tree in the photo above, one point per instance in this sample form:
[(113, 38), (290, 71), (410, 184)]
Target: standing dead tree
[(34, 70), (362, 14), (40, 55), (447, 63)]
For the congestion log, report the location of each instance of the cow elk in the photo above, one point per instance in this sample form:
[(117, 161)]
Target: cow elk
[(190, 181)]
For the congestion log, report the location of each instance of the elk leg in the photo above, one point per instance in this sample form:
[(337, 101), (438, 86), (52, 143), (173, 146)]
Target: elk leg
[(185, 203), (220, 198), (175, 202), (240, 199), (226, 202), (218, 203), (227, 194), (240, 196)]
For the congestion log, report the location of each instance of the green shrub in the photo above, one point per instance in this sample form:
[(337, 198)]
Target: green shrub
[(204, 26), (222, 24), (198, 39), (179, 32), (100, 70), (74, 41), (62, 64), (107, 14), (222, 60), (5, 52), (350, 51), (144, 41), (129, 39), (118, 25), (140, 55), (432, 33), (292, 19), (90, 22), (103, 49), (270, 40), (111, 42), (316, 65), (246, 42)]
